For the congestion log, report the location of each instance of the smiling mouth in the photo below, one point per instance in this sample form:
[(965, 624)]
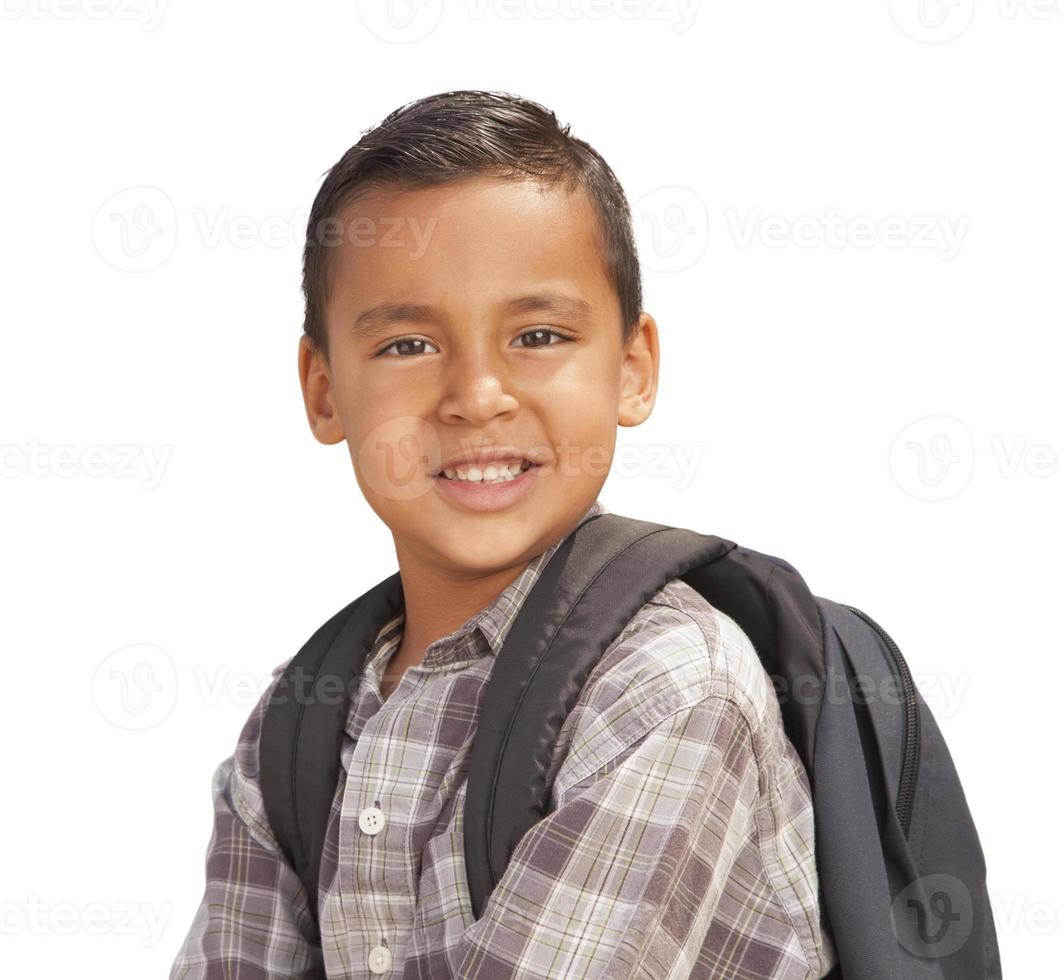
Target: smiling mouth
[(488, 474)]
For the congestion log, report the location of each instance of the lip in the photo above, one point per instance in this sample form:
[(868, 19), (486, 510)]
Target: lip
[(488, 496)]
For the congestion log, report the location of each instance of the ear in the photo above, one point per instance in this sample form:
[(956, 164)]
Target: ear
[(315, 378), (639, 373)]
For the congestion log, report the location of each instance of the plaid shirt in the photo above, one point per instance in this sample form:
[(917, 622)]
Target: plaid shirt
[(679, 840)]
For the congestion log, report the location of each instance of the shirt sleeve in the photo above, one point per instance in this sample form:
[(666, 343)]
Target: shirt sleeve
[(254, 921), (686, 854)]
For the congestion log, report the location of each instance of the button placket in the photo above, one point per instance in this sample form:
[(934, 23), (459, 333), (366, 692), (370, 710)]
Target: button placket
[(368, 826), (378, 754), (370, 820)]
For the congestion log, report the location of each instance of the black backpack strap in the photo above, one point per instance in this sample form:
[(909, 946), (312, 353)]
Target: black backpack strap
[(299, 745), (582, 600)]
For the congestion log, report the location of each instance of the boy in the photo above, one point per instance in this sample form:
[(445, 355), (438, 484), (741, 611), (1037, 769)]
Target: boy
[(474, 333)]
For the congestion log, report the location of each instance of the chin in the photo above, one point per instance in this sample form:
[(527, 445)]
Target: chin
[(483, 545)]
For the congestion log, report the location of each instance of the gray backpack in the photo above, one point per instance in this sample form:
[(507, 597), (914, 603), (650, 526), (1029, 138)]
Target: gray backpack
[(901, 869)]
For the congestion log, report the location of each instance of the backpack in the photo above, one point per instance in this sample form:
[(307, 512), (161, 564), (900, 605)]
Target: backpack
[(901, 870)]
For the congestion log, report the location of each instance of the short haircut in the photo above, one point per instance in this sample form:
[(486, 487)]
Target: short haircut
[(445, 137)]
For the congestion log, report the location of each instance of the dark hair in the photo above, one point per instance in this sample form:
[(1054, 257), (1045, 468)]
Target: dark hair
[(451, 135)]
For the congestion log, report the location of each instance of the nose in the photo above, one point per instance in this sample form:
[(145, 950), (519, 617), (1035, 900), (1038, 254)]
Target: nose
[(478, 387)]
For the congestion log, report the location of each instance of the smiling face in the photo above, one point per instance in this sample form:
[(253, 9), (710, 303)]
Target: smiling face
[(475, 315)]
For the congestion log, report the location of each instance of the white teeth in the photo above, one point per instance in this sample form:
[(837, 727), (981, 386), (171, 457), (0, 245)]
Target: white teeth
[(492, 473)]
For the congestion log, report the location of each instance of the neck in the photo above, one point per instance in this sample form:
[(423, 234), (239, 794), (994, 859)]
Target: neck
[(436, 605)]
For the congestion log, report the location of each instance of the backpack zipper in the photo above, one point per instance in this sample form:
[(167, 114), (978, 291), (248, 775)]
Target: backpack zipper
[(911, 750)]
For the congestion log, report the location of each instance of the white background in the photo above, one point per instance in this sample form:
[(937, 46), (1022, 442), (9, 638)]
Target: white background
[(849, 217)]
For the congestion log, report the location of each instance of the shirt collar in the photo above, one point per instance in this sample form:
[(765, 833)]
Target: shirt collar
[(494, 621)]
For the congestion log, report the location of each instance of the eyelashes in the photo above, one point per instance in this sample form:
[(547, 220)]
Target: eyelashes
[(563, 338)]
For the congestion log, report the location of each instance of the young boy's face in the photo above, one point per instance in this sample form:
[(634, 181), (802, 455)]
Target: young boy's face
[(452, 273)]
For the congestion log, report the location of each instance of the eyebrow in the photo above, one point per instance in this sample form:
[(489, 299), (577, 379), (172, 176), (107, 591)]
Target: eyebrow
[(376, 320)]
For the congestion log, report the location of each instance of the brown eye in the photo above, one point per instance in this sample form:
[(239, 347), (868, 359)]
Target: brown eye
[(404, 341), (543, 333)]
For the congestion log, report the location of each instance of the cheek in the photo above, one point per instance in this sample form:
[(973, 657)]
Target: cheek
[(585, 390), (596, 373), (368, 402), (394, 456), (582, 435)]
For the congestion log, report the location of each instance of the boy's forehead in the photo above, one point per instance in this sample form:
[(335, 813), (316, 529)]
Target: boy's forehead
[(474, 197), (470, 231)]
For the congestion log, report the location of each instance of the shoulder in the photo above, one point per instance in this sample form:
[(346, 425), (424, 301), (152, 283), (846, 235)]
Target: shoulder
[(246, 753), (237, 779), (681, 649), (678, 651)]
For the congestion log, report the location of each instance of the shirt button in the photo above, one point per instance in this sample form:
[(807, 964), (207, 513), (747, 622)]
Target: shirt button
[(380, 959), (371, 821)]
